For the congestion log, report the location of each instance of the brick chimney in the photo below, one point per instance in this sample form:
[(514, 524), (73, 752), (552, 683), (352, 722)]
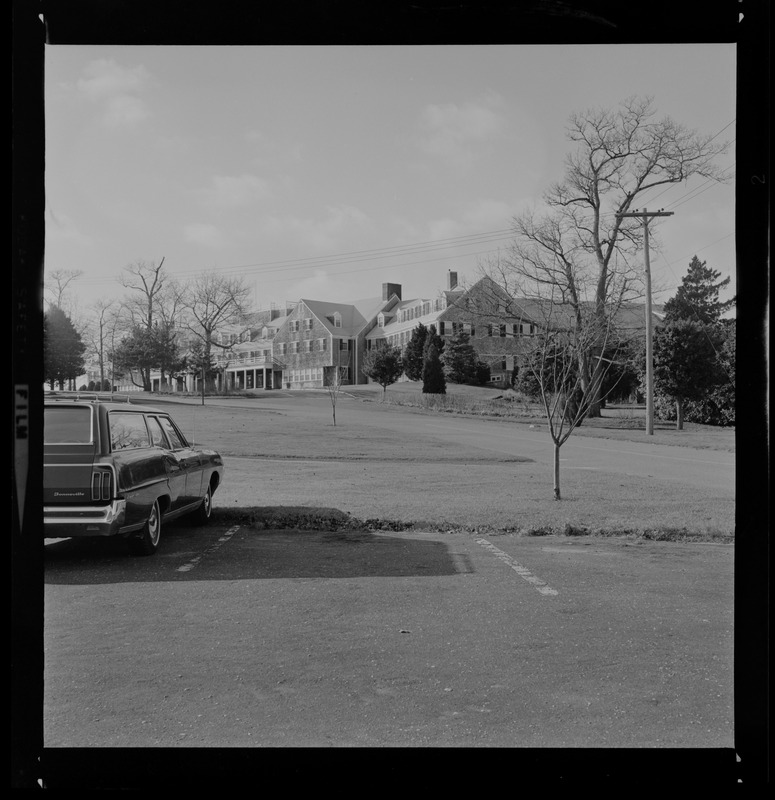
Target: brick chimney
[(389, 289), (451, 280)]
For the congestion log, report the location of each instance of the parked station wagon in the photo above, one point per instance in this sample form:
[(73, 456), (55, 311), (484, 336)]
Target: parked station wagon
[(115, 468)]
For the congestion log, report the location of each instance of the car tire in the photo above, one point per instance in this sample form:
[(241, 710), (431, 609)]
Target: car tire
[(146, 543), (202, 514)]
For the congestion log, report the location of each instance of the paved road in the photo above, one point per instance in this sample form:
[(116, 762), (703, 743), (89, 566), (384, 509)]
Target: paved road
[(232, 637)]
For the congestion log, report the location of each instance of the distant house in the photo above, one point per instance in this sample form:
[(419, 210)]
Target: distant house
[(494, 322), (245, 355), (319, 338), (304, 344)]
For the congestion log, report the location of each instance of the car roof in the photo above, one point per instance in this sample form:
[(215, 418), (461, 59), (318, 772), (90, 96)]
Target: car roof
[(111, 403)]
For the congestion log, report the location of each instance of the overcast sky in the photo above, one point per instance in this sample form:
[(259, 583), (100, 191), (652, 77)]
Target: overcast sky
[(323, 172)]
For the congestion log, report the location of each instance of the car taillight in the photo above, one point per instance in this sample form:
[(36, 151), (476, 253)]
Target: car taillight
[(101, 484)]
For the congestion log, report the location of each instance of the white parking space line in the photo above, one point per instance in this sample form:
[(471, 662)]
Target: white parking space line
[(195, 561), (523, 572)]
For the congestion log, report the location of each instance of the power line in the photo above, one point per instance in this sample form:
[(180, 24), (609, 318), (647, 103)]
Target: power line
[(428, 246), (357, 256)]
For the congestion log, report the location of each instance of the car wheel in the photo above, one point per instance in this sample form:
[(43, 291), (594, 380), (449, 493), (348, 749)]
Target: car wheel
[(147, 541), (202, 514)]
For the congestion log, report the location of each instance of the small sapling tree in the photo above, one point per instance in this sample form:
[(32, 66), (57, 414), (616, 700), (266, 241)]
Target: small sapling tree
[(383, 365), (336, 378), (551, 372)]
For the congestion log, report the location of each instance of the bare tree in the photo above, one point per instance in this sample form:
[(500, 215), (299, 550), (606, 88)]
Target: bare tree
[(57, 285), (100, 335), (334, 384), (554, 363), (215, 302), (580, 246), (147, 281)]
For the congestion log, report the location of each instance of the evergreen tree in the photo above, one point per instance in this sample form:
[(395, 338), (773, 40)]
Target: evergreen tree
[(63, 349), (383, 365), (483, 372), (413, 353), (697, 296), (433, 380), (460, 359), (144, 350), (686, 365)]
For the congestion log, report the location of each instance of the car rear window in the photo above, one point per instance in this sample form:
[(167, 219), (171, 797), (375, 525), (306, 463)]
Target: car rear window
[(62, 425)]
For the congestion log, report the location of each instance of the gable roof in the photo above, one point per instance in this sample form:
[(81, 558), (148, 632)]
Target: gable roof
[(355, 316), (395, 325), (629, 317)]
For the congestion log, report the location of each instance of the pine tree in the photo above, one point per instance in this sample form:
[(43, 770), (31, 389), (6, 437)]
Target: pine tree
[(433, 380), (434, 339), (63, 348), (686, 364), (460, 359), (697, 296), (413, 353)]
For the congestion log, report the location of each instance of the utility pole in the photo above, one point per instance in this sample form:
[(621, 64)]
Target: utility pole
[(644, 217)]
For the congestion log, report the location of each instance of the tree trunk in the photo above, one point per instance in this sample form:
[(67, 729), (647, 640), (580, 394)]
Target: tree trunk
[(679, 415), (557, 472), (590, 386)]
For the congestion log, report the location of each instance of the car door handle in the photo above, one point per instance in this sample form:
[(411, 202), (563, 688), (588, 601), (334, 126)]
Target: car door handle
[(173, 464)]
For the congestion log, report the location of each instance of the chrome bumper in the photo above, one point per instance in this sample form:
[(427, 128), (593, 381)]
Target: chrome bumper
[(60, 522)]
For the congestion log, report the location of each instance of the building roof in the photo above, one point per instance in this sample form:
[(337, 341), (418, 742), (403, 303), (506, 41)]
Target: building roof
[(629, 316), (355, 316), (394, 326)]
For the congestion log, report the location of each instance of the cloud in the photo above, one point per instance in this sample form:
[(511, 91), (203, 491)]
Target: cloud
[(235, 191), (203, 233), (62, 228), (116, 89), (456, 132), (327, 234)]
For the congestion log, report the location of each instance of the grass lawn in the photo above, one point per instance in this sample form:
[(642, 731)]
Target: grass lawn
[(622, 422), (308, 474)]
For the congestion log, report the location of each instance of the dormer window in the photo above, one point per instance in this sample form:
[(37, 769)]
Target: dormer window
[(337, 319)]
